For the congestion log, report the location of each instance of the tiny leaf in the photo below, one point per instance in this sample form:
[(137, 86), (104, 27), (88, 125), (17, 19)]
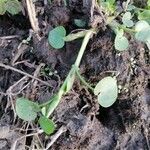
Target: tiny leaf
[(130, 7), (107, 91), (121, 43), (79, 22), (126, 19), (47, 125), (143, 35), (144, 15), (13, 6), (26, 109), (56, 36), (141, 25)]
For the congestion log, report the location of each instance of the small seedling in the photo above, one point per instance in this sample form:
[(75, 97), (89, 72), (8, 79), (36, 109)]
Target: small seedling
[(11, 6), (57, 37), (106, 90), (126, 19), (29, 111)]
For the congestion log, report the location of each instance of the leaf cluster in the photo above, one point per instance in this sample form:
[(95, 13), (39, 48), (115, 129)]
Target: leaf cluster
[(28, 111)]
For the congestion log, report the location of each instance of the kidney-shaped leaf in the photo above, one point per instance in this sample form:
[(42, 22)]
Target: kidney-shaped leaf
[(121, 43), (56, 36), (142, 29), (47, 125), (143, 35), (126, 19), (107, 91), (26, 109), (13, 6), (141, 25)]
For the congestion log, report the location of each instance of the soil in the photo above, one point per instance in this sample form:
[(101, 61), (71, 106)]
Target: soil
[(123, 126)]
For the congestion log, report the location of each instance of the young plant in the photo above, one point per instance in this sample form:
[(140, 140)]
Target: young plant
[(135, 28), (109, 5), (106, 90), (11, 6)]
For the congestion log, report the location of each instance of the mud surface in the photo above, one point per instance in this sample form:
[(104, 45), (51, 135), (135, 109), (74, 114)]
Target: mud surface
[(124, 126)]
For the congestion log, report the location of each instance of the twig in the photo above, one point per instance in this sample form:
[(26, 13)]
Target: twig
[(9, 37), (32, 15), (56, 136), (24, 73), (13, 147)]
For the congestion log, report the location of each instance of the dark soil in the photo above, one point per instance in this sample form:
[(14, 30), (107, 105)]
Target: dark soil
[(123, 126)]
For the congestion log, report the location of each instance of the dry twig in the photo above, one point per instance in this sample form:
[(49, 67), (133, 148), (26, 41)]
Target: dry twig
[(32, 15), (24, 73)]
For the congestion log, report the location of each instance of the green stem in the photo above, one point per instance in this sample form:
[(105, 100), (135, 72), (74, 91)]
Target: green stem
[(74, 36), (53, 103), (126, 29), (83, 80), (83, 46), (114, 25)]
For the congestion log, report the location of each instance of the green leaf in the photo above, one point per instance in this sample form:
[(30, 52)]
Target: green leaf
[(2, 7), (126, 19), (56, 36), (79, 22), (144, 15), (26, 109), (47, 125), (148, 4), (141, 25), (107, 91), (121, 43), (111, 1), (130, 7), (13, 6), (143, 31), (143, 35)]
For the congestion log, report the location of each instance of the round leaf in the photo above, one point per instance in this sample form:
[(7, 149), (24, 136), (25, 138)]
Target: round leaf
[(2, 7), (126, 19), (103, 84), (79, 22), (56, 36), (106, 99), (143, 35), (47, 125), (13, 6), (121, 43), (26, 109), (144, 15), (141, 25), (107, 91), (130, 7)]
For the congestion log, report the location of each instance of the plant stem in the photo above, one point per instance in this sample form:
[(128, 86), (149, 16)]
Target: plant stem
[(83, 46), (74, 36), (83, 80), (67, 85), (114, 25)]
